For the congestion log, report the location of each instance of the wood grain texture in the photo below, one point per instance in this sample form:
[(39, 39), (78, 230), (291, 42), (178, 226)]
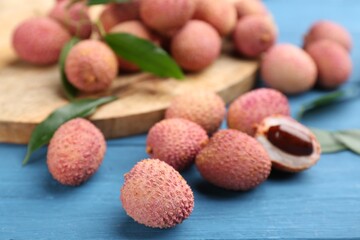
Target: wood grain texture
[(30, 93)]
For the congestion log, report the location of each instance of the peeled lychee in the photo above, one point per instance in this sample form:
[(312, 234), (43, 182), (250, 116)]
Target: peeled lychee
[(234, 161), (74, 17), (75, 152), (288, 69), (254, 34), (250, 7), (156, 195), (137, 29), (39, 40), (196, 46), (166, 16), (114, 13), (176, 141), (202, 107), (333, 62), (291, 146), (252, 107), (219, 14), (91, 66), (329, 30)]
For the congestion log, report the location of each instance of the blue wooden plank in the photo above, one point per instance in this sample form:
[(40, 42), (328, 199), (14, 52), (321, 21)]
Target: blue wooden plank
[(321, 203)]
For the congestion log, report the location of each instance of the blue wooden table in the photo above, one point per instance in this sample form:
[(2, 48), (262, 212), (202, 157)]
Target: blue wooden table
[(321, 203)]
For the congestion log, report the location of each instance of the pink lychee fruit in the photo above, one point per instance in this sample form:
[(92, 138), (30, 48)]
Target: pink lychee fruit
[(250, 7), (75, 152)]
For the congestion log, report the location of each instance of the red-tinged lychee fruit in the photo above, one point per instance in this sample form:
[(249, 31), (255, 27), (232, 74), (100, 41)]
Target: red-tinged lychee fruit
[(156, 195), (75, 152)]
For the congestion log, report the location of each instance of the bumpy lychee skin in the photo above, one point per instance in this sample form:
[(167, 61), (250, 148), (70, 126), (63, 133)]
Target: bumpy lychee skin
[(176, 141), (250, 7), (252, 107), (333, 62), (75, 18), (234, 161), (114, 13), (203, 107), (39, 40), (89, 70), (156, 195), (196, 46), (219, 14), (166, 16), (254, 34), (75, 152), (288, 69), (325, 29), (291, 146), (138, 29)]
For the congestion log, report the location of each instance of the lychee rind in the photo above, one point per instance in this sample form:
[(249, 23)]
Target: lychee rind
[(250, 7), (156, 195), (202, 107), (252, 107), (115, 13), (39, 40), (326, 29), (233, 160), (196, 46), (219, 14), (288, 69), (254, 34), (75, 152), (176, 141), (333, 62), (281, 160), (73, 17), (166, 16), (89, 70)]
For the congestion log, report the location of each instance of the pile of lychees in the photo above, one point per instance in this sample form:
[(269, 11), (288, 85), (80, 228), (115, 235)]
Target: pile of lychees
[(261, 134)]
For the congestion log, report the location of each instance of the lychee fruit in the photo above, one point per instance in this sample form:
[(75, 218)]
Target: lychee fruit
[(219, 14), (166, 16), (202, 107), (74, 17), (89, 70), (196, 46), (75, 152), (40, 40), (252, 107), (291, 146), (156, 195), (138, 29), (176, 141), (254, 34), (116, 13), (288, 69), (250, 7), (333, 62), (325, 29), (233, 160)]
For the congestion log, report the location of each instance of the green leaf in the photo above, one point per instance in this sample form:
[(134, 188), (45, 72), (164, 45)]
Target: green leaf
[(328, 99), (144, 54), (46, 129), (95, 2), (328, 142), (350, 138), (69, 90)]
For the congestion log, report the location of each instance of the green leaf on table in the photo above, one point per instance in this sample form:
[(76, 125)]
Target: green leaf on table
[(69, 90), (350, 138), (328, 99), (328, 142), (96, 2), (145, 54), (46, 129)]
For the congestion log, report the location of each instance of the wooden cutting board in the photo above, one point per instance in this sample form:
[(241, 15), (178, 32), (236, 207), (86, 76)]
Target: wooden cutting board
[(28, 94)]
